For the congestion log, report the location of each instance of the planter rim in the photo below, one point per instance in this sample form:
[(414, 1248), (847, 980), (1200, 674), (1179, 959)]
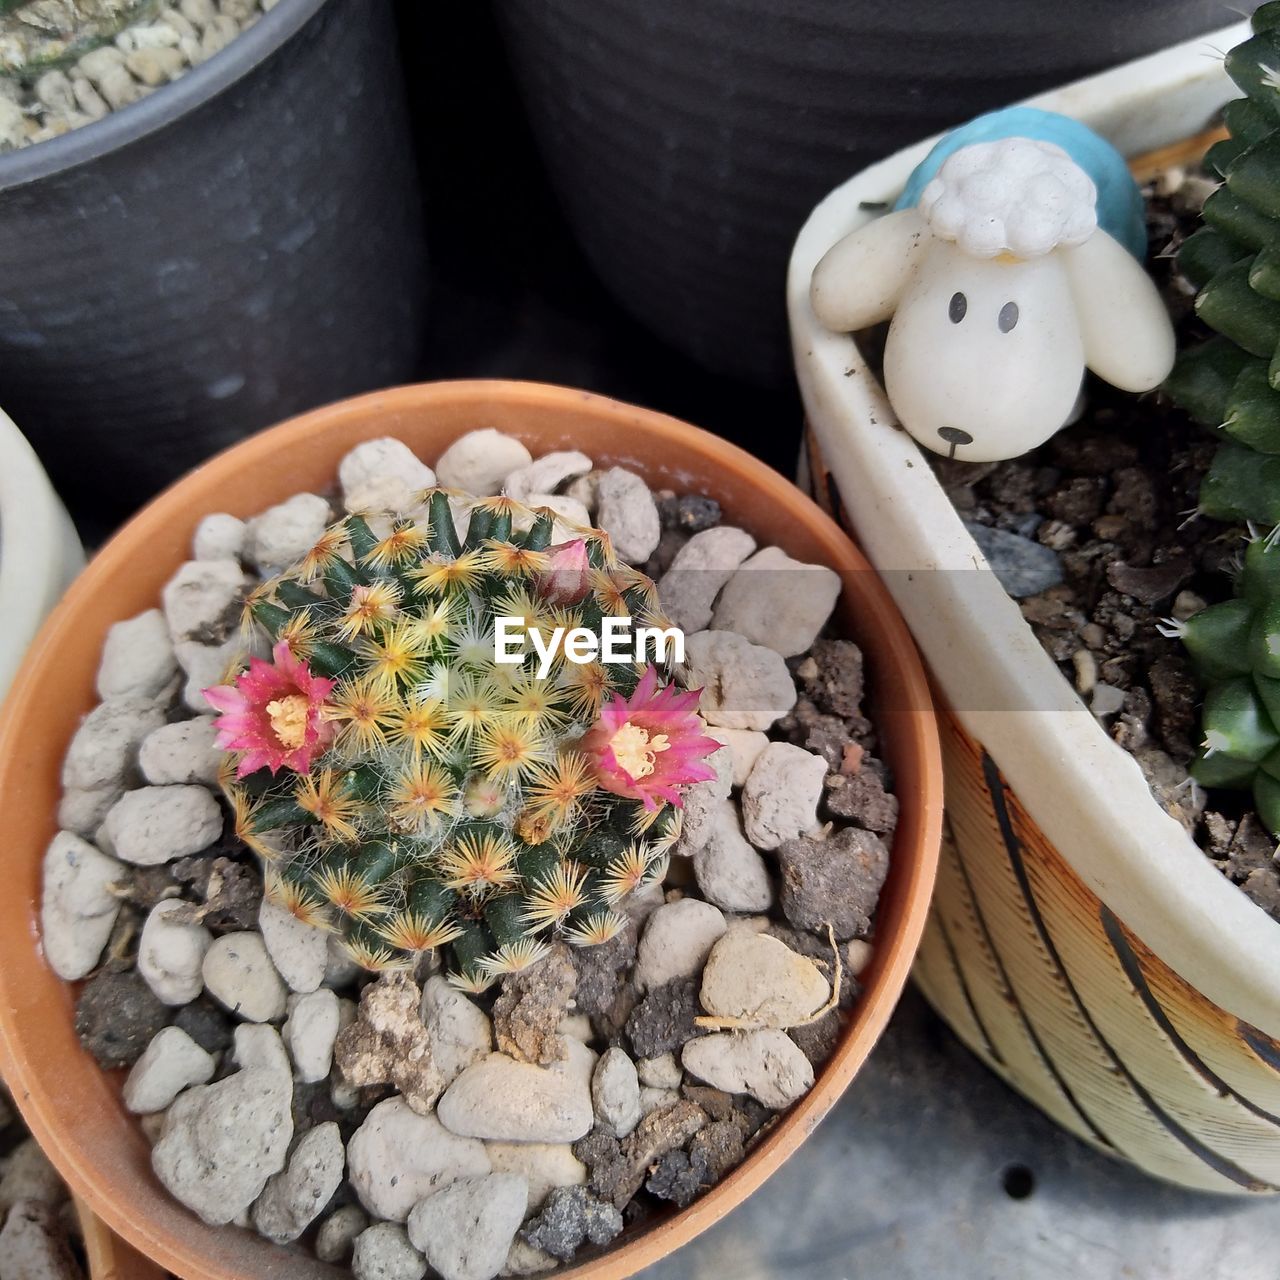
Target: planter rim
[(51, 552), (167, 104), (162, 528), (1126, 849)]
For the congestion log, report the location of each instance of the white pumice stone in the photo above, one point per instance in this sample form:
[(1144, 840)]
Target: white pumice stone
[(78, 904), (170, 1063), (157, 824), (778, 602), (171, 954), (781, 795), (283, 534), (744, 685), (219, 537), (182, 753), (239, 974), (629, 515), (313, 1025), (676, 942), (137, 658), (383, 475), (202, 600), (480, 461), (299, 951)]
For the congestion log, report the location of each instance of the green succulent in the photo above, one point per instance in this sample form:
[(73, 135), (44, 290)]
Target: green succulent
[(1231, 383), (410, 792)]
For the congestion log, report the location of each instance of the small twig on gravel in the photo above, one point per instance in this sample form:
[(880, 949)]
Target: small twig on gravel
[(746, 1024)]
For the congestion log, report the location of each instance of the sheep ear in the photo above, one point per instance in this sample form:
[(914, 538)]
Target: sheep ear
[(1128, 336), (860, 278)]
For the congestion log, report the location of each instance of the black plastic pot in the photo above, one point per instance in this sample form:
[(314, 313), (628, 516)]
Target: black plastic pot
[(243, 244), (687, 139)]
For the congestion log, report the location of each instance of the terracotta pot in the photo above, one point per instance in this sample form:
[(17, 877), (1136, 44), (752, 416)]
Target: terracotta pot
[(74, 1108), (1080, 942), (108, 1256)]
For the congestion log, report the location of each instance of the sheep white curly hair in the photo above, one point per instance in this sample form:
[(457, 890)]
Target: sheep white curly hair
[(1015, 195)]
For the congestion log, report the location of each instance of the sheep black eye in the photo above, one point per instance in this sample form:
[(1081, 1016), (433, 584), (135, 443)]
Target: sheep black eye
[(1008, 317), (959, 305)]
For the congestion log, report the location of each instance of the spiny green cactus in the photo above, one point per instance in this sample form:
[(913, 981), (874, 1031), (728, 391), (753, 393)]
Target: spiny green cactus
[(425, 795), (36, 35), (1231, 383)]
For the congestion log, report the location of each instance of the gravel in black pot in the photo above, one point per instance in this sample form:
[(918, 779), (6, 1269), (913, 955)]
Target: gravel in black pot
[(688, 139), (241, 245)]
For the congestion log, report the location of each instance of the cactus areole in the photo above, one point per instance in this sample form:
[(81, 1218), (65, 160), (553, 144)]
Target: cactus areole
[(408, 787)]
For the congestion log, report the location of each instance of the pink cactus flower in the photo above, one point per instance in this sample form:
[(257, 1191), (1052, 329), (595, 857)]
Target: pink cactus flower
[(647, 746), (567, 578), (274, 714)]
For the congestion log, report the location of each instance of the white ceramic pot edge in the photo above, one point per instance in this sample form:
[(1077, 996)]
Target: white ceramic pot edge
[(39, 550), (980, 650)]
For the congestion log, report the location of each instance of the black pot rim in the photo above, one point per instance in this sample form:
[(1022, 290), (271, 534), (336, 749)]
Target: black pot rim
[(191, 90)]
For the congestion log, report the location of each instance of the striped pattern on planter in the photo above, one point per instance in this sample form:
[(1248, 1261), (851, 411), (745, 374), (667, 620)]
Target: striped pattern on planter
[(1039, 977)]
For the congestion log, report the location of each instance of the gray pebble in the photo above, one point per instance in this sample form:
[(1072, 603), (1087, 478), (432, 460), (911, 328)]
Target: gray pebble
[(571, 1217), (30, 1176), (294, 1197), (181, 753), (466, 1229), (383, 1252), (628, 514), (338, 1232), (157, 824), (137, 658), (1024, 568), (104, 747)]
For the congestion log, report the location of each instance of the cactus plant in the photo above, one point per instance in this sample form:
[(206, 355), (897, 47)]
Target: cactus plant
[(38, 34), (410, 791), (1231, 383)]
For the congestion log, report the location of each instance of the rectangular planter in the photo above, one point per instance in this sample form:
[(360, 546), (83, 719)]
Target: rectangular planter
[(1079, 942)]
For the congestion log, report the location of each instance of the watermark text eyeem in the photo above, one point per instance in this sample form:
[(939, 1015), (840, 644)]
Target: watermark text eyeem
[(619, 640)]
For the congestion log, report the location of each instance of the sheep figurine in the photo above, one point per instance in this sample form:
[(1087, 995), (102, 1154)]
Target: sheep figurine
[(1012, 262)]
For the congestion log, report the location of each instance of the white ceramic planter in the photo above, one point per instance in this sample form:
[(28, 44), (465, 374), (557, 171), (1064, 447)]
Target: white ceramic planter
[(39, 550), (1080, 941)]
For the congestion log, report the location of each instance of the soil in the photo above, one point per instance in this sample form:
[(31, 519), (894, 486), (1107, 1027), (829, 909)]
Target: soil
[(1114, 497)]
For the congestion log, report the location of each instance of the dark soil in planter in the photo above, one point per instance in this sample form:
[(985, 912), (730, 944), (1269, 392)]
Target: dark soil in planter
[(1113, 497)]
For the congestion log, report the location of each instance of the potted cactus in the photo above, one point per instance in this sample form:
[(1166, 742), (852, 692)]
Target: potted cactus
[(1227, 383), (510, 937), (153, 181), (359, 746), (1089, 906)]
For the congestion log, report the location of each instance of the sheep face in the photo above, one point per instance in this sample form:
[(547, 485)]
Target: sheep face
[(984, 358)]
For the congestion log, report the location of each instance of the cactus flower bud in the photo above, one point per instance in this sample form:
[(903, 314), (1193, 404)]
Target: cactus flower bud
[(567, 578)]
